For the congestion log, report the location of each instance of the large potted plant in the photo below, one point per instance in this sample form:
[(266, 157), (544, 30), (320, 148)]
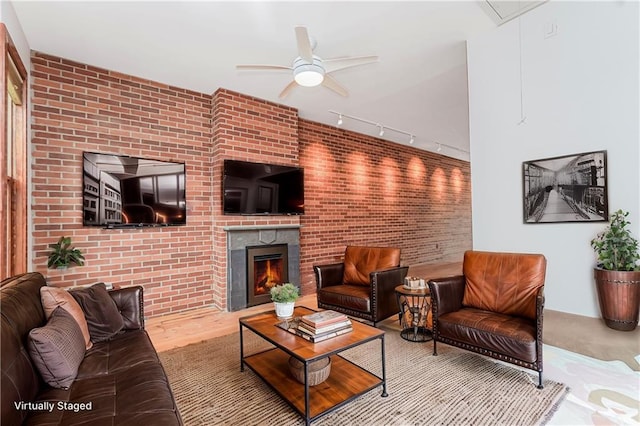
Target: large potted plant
[(284, 297), (617, 274), (62, 254)]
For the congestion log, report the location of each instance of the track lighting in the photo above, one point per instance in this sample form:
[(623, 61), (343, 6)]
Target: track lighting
[(382, 129)]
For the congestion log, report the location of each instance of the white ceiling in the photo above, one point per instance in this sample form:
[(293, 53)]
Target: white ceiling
[(418, 86)]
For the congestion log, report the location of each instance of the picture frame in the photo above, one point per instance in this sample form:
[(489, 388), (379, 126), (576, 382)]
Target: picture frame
[(569, 188)]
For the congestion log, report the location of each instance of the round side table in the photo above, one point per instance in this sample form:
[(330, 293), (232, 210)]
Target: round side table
[(414, 305)]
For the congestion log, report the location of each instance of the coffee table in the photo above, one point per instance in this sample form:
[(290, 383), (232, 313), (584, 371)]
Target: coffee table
[(346, 382)]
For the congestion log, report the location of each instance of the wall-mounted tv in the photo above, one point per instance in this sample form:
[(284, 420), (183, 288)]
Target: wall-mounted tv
[(262, 189), (122, 191)]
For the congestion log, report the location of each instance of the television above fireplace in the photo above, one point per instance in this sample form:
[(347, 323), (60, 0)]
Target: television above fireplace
[(123, 191), (262, 189)]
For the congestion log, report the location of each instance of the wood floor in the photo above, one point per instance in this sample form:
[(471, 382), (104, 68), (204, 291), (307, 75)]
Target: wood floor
[(177, 330), (181, 329)]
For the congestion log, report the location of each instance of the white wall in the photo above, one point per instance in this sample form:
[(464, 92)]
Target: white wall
[(10, 20), (580, 93)]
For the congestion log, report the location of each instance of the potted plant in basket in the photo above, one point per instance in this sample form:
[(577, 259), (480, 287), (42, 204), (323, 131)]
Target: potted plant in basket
[(617, 274), (284, 297), (62, 254)]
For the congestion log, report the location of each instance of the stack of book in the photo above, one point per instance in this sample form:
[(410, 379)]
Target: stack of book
[(323, 325)]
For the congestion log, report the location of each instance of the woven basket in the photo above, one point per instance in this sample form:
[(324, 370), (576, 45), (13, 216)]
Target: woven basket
[(318, 370)]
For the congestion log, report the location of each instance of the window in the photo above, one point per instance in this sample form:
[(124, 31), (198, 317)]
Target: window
[(13, 164)]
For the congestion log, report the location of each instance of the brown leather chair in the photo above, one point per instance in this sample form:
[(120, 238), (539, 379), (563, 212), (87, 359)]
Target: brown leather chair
[(494, 308), (363, 285)]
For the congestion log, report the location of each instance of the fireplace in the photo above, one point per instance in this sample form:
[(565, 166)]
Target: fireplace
[(241, 237), (267, 266)]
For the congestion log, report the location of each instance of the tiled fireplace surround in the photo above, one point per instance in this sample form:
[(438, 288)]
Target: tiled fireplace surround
[(241, 237)]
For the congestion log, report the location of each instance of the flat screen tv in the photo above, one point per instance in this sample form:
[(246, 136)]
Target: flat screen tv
[(122, 191), (262, 189)]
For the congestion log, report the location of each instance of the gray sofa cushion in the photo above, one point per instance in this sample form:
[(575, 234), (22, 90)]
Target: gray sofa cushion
[(57, 349), (102, 315)]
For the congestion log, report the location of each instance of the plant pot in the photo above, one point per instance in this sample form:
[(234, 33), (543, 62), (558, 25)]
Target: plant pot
[(284, 309), (619, 298)]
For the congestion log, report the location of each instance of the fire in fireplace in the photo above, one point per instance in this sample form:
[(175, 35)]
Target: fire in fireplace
[(267, 266)]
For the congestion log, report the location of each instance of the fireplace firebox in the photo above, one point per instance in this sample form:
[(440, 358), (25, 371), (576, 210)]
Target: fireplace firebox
[(267, 266)]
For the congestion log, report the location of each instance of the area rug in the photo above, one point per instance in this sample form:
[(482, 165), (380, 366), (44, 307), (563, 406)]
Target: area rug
[(454, 388)]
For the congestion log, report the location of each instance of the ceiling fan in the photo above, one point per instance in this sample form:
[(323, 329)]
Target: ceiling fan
[(310, 70)]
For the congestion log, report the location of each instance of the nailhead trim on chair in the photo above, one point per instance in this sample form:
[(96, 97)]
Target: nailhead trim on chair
[(536, 366)]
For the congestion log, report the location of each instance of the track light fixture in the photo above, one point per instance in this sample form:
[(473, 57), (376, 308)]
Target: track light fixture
[(382, 129)]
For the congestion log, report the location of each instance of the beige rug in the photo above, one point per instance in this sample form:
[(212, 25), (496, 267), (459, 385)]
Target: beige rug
[(454, 388)]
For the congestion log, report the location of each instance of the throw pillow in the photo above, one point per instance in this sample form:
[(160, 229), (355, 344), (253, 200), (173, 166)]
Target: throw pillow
[(103, 317), (52, 297), (57, 349)]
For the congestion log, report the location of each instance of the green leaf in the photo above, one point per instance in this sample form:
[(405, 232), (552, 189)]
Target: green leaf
[(615, 246)]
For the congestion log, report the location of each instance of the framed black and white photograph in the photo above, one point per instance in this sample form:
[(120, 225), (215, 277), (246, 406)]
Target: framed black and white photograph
[(571, 188)]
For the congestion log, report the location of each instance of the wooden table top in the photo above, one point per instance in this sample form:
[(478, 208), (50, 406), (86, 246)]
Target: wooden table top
[(264, 325), (416, 291)]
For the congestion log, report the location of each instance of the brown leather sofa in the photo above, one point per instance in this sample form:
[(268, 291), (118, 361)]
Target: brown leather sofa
[(494, 308), (122, 378), (363, 285)]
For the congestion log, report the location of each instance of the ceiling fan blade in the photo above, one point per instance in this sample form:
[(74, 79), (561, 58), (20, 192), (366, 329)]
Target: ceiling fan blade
[(304, 45), (336, 64), (331, 83), (263, 67), (287, 89)]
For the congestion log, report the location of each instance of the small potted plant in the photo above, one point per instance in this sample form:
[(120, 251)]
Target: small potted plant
[(284, 297), (62, 254), (617, 274)]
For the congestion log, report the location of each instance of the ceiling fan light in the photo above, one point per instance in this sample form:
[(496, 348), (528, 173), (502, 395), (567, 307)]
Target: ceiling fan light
[(308, 77), (306, 74)]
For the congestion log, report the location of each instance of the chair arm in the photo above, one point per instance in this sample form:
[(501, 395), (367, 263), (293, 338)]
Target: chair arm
[(539, 315), (539, 304), (130, 303), (539, 311), (383, 285), (446, 294), (328, 275)]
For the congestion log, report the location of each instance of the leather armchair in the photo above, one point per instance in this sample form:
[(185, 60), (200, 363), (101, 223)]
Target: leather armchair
[(363, 286), (495, 308)]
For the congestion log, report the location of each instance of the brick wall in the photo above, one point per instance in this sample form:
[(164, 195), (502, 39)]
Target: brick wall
[(248, 129), (359, 189), (80, 108)]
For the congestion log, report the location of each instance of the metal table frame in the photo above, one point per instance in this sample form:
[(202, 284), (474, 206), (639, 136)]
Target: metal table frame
[(414, 305), (347, 365)]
